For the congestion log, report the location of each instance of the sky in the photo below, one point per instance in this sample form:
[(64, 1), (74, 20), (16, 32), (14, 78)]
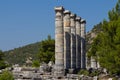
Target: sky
[(24, 22)]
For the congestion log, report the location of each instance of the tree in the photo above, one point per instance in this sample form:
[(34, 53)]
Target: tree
[(114, 14), (47, 50), (107, 44), (2, 62)]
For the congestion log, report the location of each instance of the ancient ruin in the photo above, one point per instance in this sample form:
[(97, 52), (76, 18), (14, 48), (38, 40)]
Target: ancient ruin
[(70, 53)]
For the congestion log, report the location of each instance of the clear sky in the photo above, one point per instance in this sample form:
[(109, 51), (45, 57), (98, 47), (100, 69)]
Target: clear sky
[(27, 21)]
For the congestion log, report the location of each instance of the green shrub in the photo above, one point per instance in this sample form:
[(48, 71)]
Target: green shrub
[(6, 75), (83, 71), (36, 63), (95, 73)]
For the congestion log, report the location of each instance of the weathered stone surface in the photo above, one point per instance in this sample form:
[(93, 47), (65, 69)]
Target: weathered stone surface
[(69, 41), (78, 43), (67, 31), (73, 41), (83, 50), (59, 41)]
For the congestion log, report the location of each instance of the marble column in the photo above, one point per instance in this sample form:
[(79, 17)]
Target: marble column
[(73, 41), (78, 43), (83, 49), (93, 63), (67, 31), (59, 41)]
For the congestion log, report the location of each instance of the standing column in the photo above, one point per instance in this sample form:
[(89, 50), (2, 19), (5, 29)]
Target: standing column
[(73, 41), (59, 42), (93, 63), (67, 32), (78, 43), (83, 50)]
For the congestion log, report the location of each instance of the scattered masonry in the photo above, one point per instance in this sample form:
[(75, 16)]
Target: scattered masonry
[(42, 73)]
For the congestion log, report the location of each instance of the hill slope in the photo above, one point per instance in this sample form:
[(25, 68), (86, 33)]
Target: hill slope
[(90, 36), (20, 55)]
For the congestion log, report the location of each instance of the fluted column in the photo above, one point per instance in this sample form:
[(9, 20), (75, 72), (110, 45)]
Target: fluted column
[(59, 41), (78, 43), (67, 31), (83, 49), (73, 41)]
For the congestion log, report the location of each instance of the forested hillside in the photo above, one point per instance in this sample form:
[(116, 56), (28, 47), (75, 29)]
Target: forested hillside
[(20, 55), (37, 52)]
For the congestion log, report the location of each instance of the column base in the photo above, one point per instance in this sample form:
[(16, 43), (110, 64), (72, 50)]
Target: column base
[(59, 73), (78, 69), (66, 71), (72, 71)]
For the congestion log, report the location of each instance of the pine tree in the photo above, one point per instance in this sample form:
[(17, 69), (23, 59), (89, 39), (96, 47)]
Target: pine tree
[(107, 44), (47, 50)]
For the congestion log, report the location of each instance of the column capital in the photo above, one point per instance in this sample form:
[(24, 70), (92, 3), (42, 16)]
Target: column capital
[(67, 12), (78, 18), (83, 21), (59, 8), (72, 19), (67, 18), (72, 15)]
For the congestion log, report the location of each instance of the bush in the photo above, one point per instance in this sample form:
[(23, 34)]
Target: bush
[(36, 63), (83, 71), (6, 75), (95, 73)]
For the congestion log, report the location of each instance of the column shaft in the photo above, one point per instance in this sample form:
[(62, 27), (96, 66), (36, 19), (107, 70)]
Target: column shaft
[(67, 39), (73, 42), (83, 49), (59, 42), (78, 43)]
